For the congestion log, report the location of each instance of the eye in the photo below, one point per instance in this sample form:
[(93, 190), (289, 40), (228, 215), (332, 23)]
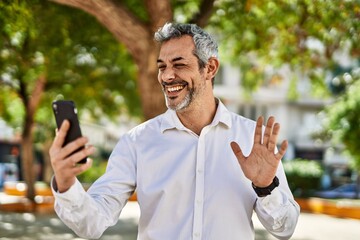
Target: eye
[(179, 65), (161, 67)]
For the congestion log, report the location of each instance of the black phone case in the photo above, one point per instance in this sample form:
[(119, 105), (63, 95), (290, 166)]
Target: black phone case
[(66, 110)]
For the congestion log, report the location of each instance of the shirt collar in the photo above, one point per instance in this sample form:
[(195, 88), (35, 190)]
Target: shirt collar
[(171, 121)]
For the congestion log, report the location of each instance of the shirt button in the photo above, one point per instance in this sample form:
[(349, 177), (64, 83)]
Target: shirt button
[(197, 235), (199, 171)]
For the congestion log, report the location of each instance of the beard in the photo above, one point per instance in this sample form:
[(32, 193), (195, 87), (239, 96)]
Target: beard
[(192, 94), (183, 104)]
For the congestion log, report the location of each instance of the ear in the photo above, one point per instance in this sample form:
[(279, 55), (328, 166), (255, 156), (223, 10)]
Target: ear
[(212, 67)]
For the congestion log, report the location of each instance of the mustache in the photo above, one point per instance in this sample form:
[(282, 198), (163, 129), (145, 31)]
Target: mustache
[(175, 82)]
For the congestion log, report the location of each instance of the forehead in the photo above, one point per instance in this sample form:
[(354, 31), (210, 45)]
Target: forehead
[(177, 47)]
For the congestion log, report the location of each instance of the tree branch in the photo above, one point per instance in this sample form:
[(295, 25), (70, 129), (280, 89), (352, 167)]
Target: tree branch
[(37, 92), (202, 17), (159, 12), (125, 27)]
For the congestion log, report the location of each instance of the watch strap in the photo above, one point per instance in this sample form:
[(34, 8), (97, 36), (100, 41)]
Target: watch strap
[(264, 191)]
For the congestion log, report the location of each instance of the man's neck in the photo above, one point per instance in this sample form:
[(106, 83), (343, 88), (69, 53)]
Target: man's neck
[(199, 116)]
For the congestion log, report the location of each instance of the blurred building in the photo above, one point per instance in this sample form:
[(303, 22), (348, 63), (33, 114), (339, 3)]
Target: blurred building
[(299, 118)]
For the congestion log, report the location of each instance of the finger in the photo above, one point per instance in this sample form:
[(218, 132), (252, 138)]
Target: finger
[(268, 130), (258, 130), (282, 150), (237, 151), (80, 168), (75, 145), (273, 137), (61, 134), (78, 156), (66, 151)]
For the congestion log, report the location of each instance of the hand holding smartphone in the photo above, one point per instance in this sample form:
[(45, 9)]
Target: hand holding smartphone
[(66, 110)]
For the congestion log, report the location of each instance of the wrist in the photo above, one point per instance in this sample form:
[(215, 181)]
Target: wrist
[(61, 187), (262, 184), (264, 191)]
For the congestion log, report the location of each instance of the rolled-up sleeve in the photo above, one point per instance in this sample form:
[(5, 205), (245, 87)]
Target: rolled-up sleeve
[(278, 213)]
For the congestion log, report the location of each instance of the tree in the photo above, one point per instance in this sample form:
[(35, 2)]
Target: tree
[(276, 32), (133, 23), (42, 60), (341, 119), (306, 35)]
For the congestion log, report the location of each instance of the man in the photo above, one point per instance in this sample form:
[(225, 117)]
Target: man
[(199, 170)]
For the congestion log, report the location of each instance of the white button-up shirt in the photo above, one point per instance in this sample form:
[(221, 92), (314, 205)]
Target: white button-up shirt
[(188, 186)]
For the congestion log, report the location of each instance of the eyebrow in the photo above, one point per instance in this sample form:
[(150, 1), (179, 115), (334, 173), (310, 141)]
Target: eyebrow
[(172, 60)]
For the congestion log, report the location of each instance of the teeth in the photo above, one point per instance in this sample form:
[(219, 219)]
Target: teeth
[(176, 88)]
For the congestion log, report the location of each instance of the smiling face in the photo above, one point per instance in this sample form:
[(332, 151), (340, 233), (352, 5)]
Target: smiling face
[(179, 74)]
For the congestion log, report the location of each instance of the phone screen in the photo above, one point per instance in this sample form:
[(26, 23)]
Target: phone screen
[(64, 109)]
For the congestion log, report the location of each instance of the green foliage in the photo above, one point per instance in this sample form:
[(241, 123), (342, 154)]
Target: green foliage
[(80, 59), (303, 176), (98, 168), (137, 8), (279, 32), (184, 10), (342, 119), (293, 94), (83, 62), (11, 107)]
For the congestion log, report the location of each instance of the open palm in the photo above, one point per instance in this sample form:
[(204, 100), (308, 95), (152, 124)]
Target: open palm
[(261, 165)]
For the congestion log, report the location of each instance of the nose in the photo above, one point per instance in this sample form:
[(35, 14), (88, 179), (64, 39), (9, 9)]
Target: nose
[(167, 74)]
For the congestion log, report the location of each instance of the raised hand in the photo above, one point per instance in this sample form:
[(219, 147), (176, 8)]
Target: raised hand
[(261, 164), (64, 161)]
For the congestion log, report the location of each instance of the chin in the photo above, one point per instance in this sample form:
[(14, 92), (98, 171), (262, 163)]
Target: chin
[(179, 105)]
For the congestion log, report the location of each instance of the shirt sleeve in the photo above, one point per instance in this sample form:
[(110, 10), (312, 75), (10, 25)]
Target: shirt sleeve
[(89, 213), (69, 198), (278, 212), (81, 213)]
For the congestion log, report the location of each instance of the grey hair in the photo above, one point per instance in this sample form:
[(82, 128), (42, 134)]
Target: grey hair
[(205, 45)]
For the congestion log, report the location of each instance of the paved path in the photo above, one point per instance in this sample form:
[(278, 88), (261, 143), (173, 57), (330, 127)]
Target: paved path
[(318, 227), (26, 226)]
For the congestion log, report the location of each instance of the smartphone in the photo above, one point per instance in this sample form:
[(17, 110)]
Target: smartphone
[(65, 109)]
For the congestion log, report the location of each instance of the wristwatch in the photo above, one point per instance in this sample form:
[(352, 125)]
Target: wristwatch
[(264, 191)]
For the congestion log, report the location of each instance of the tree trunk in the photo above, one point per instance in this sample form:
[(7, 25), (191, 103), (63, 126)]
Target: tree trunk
[(27, 162), (152, 98), (48, 172)]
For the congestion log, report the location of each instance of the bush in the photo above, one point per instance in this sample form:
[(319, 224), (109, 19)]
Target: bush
[(303, 176), (98, 168)]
